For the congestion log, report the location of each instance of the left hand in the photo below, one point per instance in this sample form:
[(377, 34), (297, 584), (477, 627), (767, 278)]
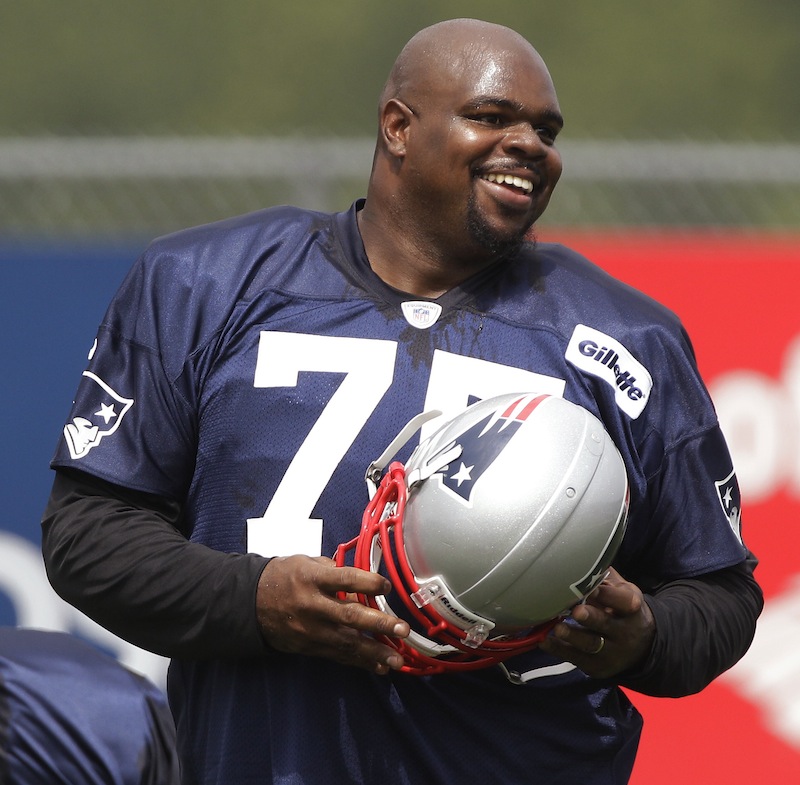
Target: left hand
[(614, 631)]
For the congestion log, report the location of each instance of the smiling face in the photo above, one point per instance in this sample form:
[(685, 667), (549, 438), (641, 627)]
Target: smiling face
[(477, 157)]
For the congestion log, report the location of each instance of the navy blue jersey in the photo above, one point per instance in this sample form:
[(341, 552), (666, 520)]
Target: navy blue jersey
[(71, 714), (253, 368)]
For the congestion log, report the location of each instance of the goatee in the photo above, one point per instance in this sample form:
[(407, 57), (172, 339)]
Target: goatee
[(501, 246)]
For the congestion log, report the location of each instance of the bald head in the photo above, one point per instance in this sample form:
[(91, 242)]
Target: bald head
[(465, 160), (453, 47)]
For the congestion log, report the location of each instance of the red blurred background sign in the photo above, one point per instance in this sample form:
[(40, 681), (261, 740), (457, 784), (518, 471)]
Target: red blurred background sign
[(739, 298)]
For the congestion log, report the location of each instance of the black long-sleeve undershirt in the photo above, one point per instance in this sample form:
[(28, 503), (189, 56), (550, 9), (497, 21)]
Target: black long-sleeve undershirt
[(703, 626), (120, 557)]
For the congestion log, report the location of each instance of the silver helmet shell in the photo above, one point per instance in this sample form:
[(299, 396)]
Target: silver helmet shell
[(515, 510)]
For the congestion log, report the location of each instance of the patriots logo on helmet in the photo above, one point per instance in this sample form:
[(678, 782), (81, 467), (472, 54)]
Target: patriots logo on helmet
[(482, 443)]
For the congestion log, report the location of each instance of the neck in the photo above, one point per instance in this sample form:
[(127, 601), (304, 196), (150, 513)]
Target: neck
[(414, 264)]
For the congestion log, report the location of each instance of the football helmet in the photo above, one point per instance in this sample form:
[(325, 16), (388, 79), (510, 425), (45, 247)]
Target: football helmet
[(497, 525)]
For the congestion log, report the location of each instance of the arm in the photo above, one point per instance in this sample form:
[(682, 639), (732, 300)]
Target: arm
[(672, 642), (118, 556), (704, 626)]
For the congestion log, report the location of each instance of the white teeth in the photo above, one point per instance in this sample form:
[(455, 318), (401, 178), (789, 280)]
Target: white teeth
[(509, 179)]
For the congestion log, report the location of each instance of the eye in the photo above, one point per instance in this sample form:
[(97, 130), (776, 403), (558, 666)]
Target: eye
[(547, 134), (488, 118)]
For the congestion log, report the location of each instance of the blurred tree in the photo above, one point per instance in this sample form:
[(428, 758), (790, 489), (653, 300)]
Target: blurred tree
[(688, 68)]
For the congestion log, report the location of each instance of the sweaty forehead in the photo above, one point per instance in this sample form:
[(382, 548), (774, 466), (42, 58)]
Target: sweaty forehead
[(485, 68), (464, 65)]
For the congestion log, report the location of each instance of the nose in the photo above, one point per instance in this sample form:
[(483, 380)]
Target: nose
[(523, 140), (526, 143)]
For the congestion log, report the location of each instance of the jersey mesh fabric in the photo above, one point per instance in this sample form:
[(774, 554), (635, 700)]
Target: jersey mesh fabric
[(243, 343)]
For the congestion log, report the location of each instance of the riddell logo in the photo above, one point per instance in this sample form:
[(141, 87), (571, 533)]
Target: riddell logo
[(600, 355), (457, 613)]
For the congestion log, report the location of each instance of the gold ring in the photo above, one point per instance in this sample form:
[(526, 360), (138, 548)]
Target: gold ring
[(599, 646)]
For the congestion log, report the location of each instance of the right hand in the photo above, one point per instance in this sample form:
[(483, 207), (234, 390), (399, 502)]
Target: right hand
[(299, 612)]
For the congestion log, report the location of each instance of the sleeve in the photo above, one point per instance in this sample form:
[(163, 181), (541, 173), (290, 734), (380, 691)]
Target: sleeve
[(118, 556), (685, 518), (133, 421), (684, 546), (704, 625)]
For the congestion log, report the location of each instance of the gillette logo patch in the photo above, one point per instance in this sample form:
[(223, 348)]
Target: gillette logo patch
[(600, 355)]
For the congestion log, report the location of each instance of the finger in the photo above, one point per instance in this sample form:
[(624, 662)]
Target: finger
[(367, 619), (318, 630), (583, 640), (353, 581), (593, 654), (623, 600), (597, 619), (616, 595), (298, 614), (613, 578), (326, 606), (348, 647)]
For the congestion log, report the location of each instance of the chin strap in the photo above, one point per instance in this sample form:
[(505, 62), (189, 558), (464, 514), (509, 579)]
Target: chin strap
[(375, 469)]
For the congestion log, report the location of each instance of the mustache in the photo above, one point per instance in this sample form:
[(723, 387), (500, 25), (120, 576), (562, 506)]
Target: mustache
[(506, 165)]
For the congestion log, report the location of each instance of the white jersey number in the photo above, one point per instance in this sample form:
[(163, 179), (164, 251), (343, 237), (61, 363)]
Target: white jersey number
[(368, 366)]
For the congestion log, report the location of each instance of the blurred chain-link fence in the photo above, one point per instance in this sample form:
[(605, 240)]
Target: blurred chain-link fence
[(110, 187)]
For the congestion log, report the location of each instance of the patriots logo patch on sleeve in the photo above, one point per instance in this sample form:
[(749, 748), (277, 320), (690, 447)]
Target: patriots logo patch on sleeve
[(731, 501), (104, 410)]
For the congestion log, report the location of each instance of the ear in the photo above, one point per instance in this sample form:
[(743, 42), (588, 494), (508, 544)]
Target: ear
[(395, 120)]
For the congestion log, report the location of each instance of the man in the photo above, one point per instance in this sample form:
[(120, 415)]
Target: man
[(69, 714), (247, 373)]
